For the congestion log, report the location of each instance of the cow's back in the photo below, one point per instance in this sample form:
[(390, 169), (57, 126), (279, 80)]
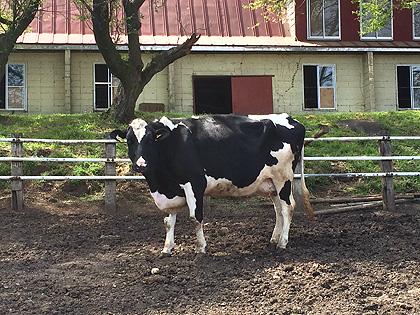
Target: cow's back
[(237, 148)]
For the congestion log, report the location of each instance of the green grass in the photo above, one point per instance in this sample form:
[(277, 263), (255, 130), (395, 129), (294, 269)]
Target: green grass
[(402, 123), (94, 126)]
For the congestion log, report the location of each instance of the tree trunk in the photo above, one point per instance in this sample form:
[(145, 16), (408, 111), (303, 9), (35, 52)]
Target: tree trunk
[(124, 103), (6, 46), (132, 73), (23, 14)]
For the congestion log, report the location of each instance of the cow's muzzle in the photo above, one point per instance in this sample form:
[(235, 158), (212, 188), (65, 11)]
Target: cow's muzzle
[(140, 165)]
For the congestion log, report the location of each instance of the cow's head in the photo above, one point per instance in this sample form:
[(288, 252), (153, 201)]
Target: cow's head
[(143, 139)]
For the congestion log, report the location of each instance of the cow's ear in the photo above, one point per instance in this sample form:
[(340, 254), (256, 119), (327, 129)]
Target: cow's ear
[(118, 135), (162, 133)]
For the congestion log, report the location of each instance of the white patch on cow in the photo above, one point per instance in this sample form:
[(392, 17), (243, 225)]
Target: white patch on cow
[(278, 228), (139, 128), (182, 124), (192, 205), (170, 233), (191, 200), (263, 184), (166, 204), (278, 119), (201, 241), (168, 123), (141, 162), (284, 214)]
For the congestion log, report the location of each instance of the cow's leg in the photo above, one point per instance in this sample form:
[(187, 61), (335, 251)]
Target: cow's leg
[(278, 228), (201, 241), (283, 205), (170, 235), (287, 206), (195, 206)]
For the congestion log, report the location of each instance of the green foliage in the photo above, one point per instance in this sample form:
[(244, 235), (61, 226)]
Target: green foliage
[(272, 10), (401, 123), (373, 14)]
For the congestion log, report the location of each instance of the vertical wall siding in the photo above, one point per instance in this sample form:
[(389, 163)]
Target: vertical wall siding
[(225, 18)]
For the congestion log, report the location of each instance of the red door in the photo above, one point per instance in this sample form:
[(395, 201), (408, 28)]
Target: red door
[(252, 95)]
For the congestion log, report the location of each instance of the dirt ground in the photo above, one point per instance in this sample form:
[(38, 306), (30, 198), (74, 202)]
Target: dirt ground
[(62, 256)]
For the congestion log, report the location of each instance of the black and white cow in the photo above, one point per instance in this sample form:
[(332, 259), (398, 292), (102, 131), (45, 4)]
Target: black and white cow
[(185, 159)]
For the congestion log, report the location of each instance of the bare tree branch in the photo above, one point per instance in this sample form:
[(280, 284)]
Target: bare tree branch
[(85, 5), (4, 21), (100, 21), (163, 59), (133, 28)]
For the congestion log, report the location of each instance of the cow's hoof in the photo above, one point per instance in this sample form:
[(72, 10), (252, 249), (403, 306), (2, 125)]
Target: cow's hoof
[(164, 255), (281, 246), (275, 239)]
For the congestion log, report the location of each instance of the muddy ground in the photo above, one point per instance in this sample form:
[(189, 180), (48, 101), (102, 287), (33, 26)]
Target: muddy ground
[(63, 256)]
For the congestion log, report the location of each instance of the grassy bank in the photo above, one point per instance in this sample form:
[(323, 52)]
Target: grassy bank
[(94, 126)]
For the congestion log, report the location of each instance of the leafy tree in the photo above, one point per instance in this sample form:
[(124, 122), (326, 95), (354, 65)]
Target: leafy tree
[(376, 14), (373, 14), (109, 19), (15, 17)]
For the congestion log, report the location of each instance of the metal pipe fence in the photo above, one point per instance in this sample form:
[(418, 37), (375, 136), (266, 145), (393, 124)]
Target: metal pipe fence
[(110, 161)]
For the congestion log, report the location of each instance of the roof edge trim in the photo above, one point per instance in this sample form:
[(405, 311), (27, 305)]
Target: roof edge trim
[(221, 49)]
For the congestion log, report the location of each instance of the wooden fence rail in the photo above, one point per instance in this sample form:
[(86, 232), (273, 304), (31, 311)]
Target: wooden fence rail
[(17, 159)]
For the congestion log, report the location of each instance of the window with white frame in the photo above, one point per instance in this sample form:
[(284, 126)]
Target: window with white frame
[(13, 88), (384, 33), (323, 19), (408, 87), (319, 87), (416, 22), (105, 86)]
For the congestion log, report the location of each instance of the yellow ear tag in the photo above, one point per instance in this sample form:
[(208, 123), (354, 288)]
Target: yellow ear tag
[(158, 136), (120, 139)]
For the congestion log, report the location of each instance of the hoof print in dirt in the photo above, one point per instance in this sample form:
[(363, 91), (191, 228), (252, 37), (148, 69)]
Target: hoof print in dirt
[(154, 279), (199, 257)]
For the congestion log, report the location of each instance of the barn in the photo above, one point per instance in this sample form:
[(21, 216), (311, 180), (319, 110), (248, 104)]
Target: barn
[(313, 61)]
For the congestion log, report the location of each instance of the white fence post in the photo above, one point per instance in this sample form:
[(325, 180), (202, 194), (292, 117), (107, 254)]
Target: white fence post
[(297, 188), (110, 170), (388, 192), (17, 170)]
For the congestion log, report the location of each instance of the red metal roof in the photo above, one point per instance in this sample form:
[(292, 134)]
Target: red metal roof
[(218, 21), (221, 23)]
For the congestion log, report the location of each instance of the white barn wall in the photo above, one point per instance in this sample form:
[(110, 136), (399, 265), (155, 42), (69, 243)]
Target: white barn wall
[(46, 89), (385, 66), (287, 73), (44, 81)]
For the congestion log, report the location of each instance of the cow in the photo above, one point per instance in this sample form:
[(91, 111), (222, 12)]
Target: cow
[(185, 159)]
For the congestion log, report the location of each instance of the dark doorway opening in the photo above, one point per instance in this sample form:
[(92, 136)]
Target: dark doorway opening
[(233, 94), (212, 95)]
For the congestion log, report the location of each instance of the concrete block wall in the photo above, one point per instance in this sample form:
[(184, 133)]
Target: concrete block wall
[(44, 81), (360, 85), (287, 73), (385, 66)]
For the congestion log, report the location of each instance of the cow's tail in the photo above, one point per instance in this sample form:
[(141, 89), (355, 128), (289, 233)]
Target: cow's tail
[(304, 189)]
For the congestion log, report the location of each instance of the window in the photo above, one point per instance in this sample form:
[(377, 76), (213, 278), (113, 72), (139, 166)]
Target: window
[(319, 87), (13, 88), (386, 31), (323, 19), (408, 86), (105, 86), (416, 22)]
